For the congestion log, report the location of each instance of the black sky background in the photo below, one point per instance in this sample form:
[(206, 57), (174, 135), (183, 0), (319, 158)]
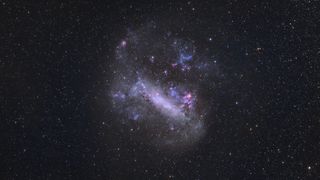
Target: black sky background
[(55, 69)]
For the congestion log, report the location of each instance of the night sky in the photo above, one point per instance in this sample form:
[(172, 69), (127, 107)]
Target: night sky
[(160, 89)]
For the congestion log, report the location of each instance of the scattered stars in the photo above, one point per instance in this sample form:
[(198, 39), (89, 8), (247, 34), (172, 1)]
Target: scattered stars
[(151, 59), (176, 90), (123, 43), (258, 49), (165, 72), (171, 176)]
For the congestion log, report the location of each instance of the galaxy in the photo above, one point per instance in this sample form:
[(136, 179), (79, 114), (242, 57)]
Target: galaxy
[(166, 89), (155, 85)]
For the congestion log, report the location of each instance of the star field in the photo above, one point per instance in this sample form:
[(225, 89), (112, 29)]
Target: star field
[(160, 90)]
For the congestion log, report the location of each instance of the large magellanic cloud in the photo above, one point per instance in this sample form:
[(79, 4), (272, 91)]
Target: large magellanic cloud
[(156, 86)]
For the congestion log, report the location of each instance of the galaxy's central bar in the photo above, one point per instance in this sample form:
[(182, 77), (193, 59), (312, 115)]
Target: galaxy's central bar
[(165, 105), (153, 94)]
